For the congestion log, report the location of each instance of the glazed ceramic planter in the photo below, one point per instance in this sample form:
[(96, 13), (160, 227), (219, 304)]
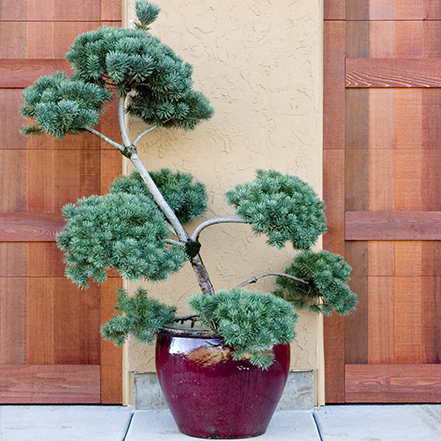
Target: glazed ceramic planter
[(209, 394)]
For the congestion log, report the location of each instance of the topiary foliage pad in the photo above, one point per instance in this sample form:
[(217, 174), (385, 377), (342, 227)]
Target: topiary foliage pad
[(283, 207), (251, 322), (327, 290), (186, 197), (122, 231)]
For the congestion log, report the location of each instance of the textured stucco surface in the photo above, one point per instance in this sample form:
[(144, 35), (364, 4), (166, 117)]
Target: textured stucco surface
[(259, 62)]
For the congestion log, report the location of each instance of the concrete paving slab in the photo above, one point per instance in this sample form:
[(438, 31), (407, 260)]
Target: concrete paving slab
[(379, 422), (160, 426), (64, 423)]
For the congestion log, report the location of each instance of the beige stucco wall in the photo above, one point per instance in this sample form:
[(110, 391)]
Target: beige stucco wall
[(260, 64)]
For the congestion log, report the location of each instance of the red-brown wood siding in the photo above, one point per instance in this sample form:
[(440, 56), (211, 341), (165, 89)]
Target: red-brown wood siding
[(51, 350), (382, 187)]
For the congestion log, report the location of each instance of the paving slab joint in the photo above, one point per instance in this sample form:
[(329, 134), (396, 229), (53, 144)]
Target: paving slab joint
[(316, 425), (128, 426)]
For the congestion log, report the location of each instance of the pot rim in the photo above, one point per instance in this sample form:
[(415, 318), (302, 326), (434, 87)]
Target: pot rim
[(189, 332)]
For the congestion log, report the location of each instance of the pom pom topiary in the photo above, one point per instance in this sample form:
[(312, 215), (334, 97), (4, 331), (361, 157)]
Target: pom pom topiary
[(129, 228)]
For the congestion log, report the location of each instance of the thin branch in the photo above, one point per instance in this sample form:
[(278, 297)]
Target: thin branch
[(185, 317), (175, 242), (108, 140), (254, 279), (159, 199), (219, 220), (171, 229), (192, 318), (150, 129), (122, 123)]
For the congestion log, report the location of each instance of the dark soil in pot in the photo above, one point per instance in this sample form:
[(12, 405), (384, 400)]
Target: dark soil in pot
[(209, 394)]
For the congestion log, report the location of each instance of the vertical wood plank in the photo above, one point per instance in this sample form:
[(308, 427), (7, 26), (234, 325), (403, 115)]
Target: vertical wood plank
[(66, 182), (381, 319), (13, 40), (111, 10), (334, 328), (431, 155), (357, 179), (381, 258), (13, 320), (381, 119), (40, 321), (44, 259), (111, 356), (381, 180), (357, 9), (356, 324), (409, 39), (431, 320), (408, 123), (408, 258), (406, 9), (381, 10), (65, 32), (40, 36), (334, 9), (334, 85), (13, 10), (109, 124), (357, 112), (431, 258), (111, 165), (90, 180), (357, 43), (41, 188), (334, 191), (13, 259), (13, 172), (407, 320), (333, 240), (11, 121), (382, 38), (432, 38), (431, 126), (393, 383), (78, 10), (38, 10), (408, 180), (89, 325), (431, 9), (66, 322)]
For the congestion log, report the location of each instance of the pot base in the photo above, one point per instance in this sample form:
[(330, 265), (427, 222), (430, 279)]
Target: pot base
[(212, 396)]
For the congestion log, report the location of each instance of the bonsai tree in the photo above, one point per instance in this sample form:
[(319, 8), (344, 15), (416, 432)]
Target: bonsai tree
[(138, 228)]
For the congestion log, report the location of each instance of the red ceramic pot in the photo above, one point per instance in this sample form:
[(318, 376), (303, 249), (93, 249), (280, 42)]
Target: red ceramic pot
[(209, 394)]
